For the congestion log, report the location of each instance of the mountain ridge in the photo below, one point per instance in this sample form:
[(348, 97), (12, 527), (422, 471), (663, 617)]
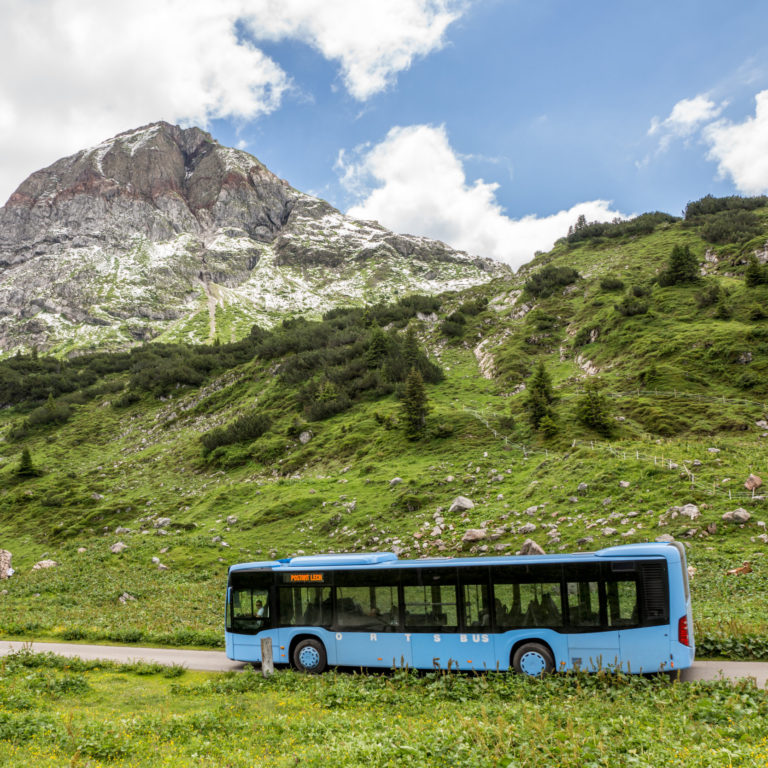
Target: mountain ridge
[(161, 232)]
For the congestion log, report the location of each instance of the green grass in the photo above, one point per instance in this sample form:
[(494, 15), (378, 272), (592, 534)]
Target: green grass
[(56, 711)]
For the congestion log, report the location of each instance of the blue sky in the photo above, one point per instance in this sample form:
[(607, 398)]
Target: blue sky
[(488, 124)]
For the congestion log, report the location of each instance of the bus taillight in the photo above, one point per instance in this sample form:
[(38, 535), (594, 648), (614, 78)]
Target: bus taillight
[(682, 631)]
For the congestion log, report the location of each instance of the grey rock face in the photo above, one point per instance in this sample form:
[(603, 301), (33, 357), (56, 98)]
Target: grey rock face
[(119, 242)]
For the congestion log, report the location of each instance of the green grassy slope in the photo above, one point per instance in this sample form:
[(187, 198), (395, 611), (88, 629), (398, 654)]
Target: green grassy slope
[(682, 378)]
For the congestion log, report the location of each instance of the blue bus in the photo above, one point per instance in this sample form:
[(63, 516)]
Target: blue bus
[(624, 608)]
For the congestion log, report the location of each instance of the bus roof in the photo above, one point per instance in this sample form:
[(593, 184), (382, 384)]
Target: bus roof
[(376, 560)]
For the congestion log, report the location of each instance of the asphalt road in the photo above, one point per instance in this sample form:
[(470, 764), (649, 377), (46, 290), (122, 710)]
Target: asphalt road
[(216, 661)]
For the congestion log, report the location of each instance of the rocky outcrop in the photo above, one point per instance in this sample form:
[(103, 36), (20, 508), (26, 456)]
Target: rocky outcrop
[(133, 238)]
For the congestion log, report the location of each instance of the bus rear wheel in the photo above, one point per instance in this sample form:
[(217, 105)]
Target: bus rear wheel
[(533, 659), (309, 656)]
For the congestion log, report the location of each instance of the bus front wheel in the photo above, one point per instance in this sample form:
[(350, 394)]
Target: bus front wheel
[(533, 659), (309, 656)]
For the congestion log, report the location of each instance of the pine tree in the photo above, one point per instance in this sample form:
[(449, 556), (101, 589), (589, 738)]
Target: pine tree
[(411, 349), (755, 274), (26, 468), (540, 397), (377, 347), (683, 267), (415, 406), (593, 411)]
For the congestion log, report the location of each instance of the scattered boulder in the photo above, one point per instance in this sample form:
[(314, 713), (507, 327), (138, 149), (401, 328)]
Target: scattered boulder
[(530, 547), (155, 560), (690, 510), (117, 548), (96, 496), (161, 522), (583, 488), (607, 502), (305, 437), (475, 534), (126, 598), (762, 423), (80, 550), (711, 528), (665, 537), (713, 450), (5, 564), (119, 530), (232, 519), (161, 567), (609, 531), (44, 564), (739, 515), (624, 483), (461, 504), (585, 540), (395, 481), (527, 528), (753, 482)]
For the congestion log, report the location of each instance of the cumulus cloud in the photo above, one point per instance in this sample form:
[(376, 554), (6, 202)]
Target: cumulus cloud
[(741, 149), (78, 71), (420, 187), (372, 40), (686, 117)]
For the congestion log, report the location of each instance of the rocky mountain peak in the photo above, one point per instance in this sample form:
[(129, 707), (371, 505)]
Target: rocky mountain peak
[(135, 237)]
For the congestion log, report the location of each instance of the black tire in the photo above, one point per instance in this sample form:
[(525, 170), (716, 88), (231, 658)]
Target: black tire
[(533, 659), (309, 656)]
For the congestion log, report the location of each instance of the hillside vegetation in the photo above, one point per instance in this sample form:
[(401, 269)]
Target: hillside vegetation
[(651, 334)]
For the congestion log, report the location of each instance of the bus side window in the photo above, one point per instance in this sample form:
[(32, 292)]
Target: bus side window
[(621, 596), (584, 604)]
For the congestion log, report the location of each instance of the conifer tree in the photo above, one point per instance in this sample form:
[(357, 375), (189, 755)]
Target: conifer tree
[(415, 405), (411, 349), (26, 468), (755, 274), (683, 267), (592, 409), (540, 397), (377, 347)]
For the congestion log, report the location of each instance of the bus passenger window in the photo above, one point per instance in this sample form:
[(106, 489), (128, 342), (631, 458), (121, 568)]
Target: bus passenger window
[(621, 597), (528, 605), (476, 608), (584, 604)]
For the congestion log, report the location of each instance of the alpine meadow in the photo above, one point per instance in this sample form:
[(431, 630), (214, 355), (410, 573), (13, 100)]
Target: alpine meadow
[(255, 376)]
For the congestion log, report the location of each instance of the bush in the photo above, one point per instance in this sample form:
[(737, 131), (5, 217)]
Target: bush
[(550, 279), (631, 306), (243, 430), (640, 225), (732, 226), (474, 307), (611, 284), (709, 205), (452, 328)]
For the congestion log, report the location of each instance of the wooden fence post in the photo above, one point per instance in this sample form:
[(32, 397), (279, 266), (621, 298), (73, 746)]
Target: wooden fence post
[(267, 662)]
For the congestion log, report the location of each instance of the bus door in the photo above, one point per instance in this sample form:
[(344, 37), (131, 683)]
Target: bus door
[(636, 598), (431, 618), (367, 622), (593, 643)]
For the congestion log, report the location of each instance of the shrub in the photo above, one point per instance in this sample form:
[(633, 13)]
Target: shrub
[(631, 306), (756, 273), (732, 226), (709, 205), (474, 307), (243, 430), (611, 284), (549, 279)]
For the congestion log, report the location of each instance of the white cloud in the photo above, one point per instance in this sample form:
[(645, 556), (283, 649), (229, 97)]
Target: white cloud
[(421, 188), (741, 149), (79, 71), (372, 40), (687, 116)]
